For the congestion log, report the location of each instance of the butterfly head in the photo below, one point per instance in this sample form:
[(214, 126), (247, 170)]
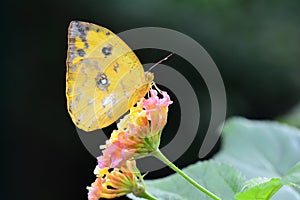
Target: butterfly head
[(149, 77)]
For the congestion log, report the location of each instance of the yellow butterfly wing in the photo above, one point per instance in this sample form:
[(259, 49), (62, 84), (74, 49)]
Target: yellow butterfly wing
[(104, 77)]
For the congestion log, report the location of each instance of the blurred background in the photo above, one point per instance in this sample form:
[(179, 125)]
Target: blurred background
[(255, 45)]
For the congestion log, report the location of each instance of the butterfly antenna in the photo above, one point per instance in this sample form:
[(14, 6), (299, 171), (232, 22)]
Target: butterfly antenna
[(164, 59)]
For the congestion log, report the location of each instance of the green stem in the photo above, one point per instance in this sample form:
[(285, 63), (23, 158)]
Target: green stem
[(161, 157), (146, 195)]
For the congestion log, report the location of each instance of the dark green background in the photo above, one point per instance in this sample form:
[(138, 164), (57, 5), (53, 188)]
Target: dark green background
[(254, 43)]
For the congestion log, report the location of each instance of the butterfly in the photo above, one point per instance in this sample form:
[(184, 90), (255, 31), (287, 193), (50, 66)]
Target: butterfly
[(104, 77)]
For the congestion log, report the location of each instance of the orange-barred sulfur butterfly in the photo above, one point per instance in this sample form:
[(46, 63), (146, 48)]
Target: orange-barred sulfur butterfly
[(104, 77)]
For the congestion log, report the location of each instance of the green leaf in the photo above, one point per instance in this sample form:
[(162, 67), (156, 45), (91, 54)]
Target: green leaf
[(260, 189), (265, 188), (292, 177), (292, 117), (219, 178), (263, 149), (257, 149)]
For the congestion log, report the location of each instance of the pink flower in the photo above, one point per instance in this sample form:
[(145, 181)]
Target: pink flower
[(116, 182), (95, 190), (114, 154), (138, 133), (157, 110)]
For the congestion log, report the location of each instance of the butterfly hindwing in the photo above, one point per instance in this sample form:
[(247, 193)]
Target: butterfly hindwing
[(104, 76)]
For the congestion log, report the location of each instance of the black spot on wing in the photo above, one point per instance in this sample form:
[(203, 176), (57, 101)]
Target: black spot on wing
[(116, 68), (101, 81), (107, 50), (81, 52), (80, 30)]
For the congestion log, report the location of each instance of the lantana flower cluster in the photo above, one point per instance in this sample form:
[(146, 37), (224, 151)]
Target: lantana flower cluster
[(115, 182), (138, 135)]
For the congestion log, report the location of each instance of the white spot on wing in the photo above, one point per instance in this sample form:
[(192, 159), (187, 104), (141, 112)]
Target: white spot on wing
[(109, 100), (72, 56), (73, 68), (91, 101), (79, 118), (92, 122), (79, 96), (109, 113), (72, 105)]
